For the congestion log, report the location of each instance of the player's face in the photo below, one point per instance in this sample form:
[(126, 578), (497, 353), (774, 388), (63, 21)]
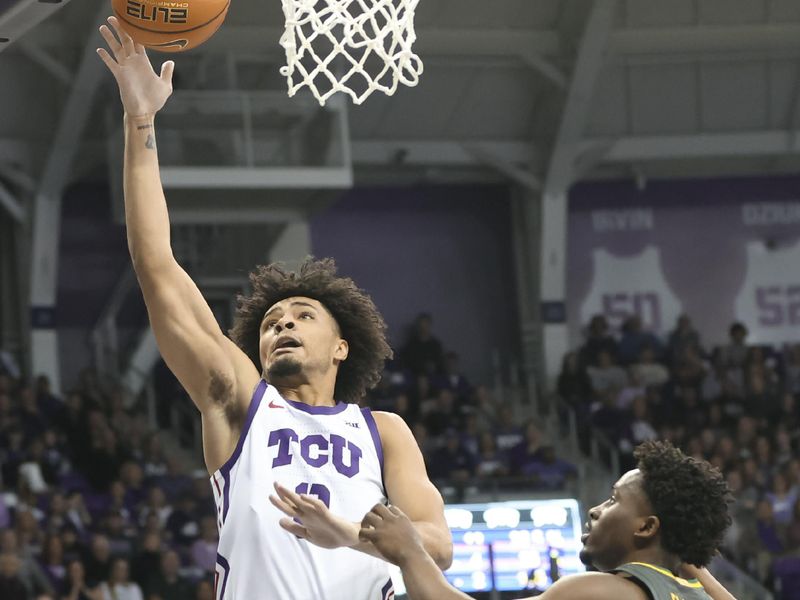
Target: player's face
[(614, 526), (299, 335)]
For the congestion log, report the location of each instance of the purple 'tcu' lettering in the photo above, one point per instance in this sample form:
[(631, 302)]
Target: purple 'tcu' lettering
[(282, 438), (339, 444)]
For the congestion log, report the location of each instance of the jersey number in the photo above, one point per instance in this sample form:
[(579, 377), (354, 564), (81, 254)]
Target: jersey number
[(315, 489)]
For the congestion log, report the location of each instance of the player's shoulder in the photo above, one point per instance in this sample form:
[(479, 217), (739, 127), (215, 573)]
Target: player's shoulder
[(595, 586), (393, 429)]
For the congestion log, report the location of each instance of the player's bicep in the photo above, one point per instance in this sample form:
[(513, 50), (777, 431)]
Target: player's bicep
[(207, 364), (407, 484)]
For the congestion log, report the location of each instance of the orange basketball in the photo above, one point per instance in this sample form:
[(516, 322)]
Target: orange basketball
[(170, 25)]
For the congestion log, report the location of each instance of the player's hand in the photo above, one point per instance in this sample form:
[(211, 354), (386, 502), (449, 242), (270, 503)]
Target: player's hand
[(143, 92), (392, 533), (316, 524)]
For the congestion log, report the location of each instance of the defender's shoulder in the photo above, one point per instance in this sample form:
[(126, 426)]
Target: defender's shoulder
[(595, 586)]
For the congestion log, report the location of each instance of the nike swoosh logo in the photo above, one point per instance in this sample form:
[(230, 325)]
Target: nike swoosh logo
[(273, 405), (178, 43)]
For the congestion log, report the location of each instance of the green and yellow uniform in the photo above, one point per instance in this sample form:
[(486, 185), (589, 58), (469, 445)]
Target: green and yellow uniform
[(661, 584)]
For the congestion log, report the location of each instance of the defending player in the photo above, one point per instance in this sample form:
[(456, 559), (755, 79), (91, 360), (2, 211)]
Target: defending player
[(661, 519), (314, 337)]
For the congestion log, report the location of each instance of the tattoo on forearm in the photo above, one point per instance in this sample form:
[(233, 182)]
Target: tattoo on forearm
[(140, 127), (150, 144)]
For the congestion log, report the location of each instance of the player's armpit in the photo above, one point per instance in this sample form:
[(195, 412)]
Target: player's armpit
[(593, 586), (408, 487)]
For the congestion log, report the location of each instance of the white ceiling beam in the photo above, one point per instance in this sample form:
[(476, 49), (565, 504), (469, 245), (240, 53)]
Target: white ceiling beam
[(543, 66), (12, 206), (698, 145), (256, 177), (438, 152), (507, 168)]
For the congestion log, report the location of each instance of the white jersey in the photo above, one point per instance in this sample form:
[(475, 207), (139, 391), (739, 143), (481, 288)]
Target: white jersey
[(331, 452)]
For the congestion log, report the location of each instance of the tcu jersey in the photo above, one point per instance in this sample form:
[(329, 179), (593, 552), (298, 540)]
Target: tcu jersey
[(331, 452)]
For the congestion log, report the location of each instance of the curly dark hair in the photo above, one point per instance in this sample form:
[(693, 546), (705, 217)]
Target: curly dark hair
[(359, 321), (689, 496)]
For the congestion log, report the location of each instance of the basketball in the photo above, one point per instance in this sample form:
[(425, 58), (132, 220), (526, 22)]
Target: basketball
[(170, 26)]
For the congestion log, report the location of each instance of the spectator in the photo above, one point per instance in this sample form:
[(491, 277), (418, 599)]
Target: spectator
[(183, 524), (118, 586), (452, 461), (634, 339), (452, 378), (422, 353), (734, 354), (549, 471), (781, 499), (11, 585), (524, 456), (204, 549), (485, 407), (442, 413), (75, 587), (97, 564), (491, 462), (607, 374), (25, 567), (647, 371), (684, 337), (156, 505), (147, 562), (507, 434), (574, 385), (597, 340), (52, 561), (169, 583)]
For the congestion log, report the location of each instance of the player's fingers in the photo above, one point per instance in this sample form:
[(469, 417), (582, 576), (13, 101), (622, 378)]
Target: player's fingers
[(396, 511), (125, 39), (367, 534), (287, 495), (294, 527), (106, 58), (312, 502), (138, 48), (371, 520), (381, 510), (284, 507), (112, 41), (166, 71)]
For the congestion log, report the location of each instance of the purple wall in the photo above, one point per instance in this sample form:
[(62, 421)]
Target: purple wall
[(728, 249), (445, 250)]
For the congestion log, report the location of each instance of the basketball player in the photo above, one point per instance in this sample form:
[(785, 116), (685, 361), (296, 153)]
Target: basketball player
[(277, 399), (663, 517)]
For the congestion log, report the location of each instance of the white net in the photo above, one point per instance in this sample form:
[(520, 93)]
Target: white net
[(350, 46)]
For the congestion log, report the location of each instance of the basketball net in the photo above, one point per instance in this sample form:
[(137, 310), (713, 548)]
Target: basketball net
[(350, 46)]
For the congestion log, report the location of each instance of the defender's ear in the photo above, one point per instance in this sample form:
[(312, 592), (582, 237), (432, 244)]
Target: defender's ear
[(341, 351), (648, 528)]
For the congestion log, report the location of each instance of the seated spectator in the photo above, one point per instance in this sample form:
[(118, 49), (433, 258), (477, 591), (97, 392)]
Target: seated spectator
[(689, 368), (634, 339), (118, 586), (607, 374), (155, 464), (26, 566), (648, 371), (204, 549), (77, 515), (781, 500), (147, 562), (642, 429), (549, 471), (11, 585), (169, 583), (523, 456), (156, 505), (733, 355), (75, 587), (792, 369), (452, 461), (485, 407), (609, 419), (597, 340), (441, 414), (120, 533), (507, 433), (452, 378), (52, 561), (683, 338), (97, 563), (768, 532), (491, 462), (183, 524)]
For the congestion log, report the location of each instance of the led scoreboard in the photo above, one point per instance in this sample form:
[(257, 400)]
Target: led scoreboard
[(514, 545)]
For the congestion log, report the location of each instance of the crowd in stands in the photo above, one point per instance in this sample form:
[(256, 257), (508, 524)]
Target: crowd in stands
[(467, 437), (93, 508), (735, 405)]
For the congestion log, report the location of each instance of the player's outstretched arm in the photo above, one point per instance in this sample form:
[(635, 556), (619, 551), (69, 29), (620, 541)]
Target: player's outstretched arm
[(393, 534), (211, 368)]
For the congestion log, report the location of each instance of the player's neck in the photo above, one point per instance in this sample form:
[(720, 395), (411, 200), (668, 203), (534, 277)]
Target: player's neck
[(313, 393)]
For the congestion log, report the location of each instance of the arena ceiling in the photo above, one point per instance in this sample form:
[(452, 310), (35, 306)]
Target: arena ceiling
[(648, 89)]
